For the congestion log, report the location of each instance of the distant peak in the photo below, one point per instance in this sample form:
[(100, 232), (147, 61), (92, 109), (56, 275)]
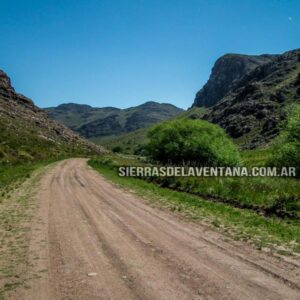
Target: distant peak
[(154, 103), (71, 104), (150, 103)]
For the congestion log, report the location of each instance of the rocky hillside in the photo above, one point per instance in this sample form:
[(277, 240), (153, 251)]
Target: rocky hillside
[(225, 75), (94, 123), (27, 133), (256, 106)]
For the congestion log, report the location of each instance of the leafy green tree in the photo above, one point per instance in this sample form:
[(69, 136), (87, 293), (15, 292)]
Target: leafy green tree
[(194, 142)]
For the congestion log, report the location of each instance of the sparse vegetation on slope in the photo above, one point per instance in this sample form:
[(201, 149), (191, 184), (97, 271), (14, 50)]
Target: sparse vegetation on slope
[(28, 135), (21, 143)]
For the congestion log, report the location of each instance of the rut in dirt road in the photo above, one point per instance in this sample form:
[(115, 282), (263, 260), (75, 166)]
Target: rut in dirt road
[(139, 252)]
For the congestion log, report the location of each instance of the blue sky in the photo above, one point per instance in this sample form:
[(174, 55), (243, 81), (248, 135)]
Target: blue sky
[(125, 52)]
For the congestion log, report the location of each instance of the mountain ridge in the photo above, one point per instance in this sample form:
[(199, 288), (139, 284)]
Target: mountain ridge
[(97, 122)]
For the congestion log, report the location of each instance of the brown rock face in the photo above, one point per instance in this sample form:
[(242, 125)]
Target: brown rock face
[(8, 92), (225, 75), (6, 89)]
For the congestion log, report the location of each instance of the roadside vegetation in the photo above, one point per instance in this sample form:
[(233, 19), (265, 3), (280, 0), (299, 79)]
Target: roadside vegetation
[(17, 208), (11, 176), (281, 235), (267, 196), (264, 210), (286, 150)]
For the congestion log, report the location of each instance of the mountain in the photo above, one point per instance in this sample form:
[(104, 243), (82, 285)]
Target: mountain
[(134, 142), (255, 106), (95, 123), (225, 75), (27, 133)]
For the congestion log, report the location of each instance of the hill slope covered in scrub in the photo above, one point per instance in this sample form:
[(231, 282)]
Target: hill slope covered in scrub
[(28, 134)]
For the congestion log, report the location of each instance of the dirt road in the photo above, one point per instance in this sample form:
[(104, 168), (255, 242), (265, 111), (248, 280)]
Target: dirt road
[(94, 241)]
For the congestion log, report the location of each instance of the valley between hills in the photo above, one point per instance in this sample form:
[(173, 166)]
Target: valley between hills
[(71, 228)]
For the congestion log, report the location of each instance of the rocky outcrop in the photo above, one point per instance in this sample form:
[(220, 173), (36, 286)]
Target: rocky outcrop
[(255, 109), (5, 86), (8, 92), (225, 76)]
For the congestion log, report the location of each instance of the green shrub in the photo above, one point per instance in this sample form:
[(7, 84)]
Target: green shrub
[(193, 142), (286, 150), (117, 149)]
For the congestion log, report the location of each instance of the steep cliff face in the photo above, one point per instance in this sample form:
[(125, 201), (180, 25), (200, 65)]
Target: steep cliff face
[(27, 133), (256, 108), (225, 75)]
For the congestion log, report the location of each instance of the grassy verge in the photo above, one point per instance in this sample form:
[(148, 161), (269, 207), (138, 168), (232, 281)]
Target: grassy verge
[(279, 235), (270, 195), (275, 196), (16, 212), (11, 176)]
